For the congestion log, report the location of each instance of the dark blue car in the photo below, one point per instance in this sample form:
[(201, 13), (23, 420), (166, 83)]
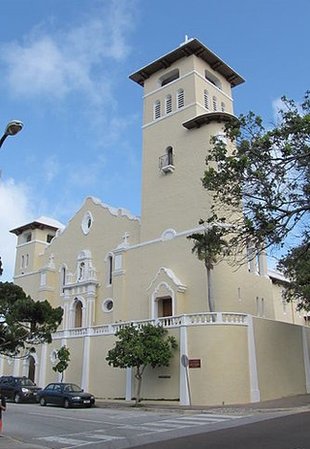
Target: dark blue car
[(65, 394)]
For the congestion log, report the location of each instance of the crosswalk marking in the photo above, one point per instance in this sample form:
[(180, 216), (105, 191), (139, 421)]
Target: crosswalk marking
[(63, 440), (78, 442), (144, 428)]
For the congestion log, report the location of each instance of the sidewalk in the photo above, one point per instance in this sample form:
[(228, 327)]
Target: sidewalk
[(287, 403)]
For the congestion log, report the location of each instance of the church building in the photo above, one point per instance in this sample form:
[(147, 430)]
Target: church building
[(107, 268)]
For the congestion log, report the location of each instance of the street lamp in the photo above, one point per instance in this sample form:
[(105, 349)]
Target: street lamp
[(11, 129)]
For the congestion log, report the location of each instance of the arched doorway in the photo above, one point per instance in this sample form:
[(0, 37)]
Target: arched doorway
[(78, 314), (31, 367), (164, 306)]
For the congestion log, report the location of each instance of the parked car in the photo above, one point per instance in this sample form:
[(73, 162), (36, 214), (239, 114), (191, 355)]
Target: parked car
[(18, 389), (65, 394)]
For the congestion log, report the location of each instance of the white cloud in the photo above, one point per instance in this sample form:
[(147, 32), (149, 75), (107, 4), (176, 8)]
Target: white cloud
[(55, 64), (15, 210)]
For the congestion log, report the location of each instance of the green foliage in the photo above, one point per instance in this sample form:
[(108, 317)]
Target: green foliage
[(138, 347), (63, 357), (296, 267), (208, 246), (260, 182), (24, 322)]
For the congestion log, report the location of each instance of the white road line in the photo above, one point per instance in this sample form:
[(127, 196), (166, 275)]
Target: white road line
[(213, 415), (63, 440), (200, 421), (170, 423), (79, 442)]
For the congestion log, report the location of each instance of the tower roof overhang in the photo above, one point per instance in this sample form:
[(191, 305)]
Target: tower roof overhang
[(41, 223), (209, 117), (190, 47)]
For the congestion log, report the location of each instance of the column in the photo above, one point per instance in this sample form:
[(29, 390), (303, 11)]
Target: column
[(254, 387)]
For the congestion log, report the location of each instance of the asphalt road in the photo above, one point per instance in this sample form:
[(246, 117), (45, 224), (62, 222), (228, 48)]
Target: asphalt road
[(288, 432), (30, 426)]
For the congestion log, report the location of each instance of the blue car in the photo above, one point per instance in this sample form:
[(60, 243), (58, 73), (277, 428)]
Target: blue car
[(66, 395)]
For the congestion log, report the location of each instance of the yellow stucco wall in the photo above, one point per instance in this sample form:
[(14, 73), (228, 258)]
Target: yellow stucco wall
[(279, 358)]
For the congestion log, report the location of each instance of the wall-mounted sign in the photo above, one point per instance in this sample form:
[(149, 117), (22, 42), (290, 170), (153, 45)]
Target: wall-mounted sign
[(194, 363)]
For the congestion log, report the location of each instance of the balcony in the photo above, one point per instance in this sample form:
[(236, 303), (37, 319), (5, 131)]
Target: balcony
[(166, 163)]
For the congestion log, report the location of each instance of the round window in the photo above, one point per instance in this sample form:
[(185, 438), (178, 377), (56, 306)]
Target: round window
[(87, 222), (53, 356), (107, 305)]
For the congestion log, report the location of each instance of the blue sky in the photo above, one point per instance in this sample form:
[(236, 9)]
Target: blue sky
[(64, 67)]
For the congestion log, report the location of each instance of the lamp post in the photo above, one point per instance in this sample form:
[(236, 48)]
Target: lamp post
[(12, 128)]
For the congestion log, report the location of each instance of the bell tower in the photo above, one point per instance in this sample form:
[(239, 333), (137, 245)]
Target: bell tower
[(187, 99)]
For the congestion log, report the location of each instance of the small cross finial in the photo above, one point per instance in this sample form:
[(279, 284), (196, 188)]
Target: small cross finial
[(186, 39), (125, 238)]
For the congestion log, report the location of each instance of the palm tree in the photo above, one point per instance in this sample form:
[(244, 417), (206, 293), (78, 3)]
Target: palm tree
[(208, 245)]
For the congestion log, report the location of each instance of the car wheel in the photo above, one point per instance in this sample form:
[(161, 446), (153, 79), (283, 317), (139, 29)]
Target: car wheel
[(42, 401), (66, 403), (17, 398)]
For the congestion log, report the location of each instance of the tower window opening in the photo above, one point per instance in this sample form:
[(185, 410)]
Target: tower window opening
[(49, 238), (169, 77), (206, 99), (168, 103), (180, 98), (214, 102), (222, 106), (213, 79), (157, 110)]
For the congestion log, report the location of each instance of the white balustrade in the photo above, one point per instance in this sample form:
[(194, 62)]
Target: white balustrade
[(193, 319)]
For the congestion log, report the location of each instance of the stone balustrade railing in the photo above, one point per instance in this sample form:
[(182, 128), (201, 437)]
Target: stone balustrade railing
[(193, 319)]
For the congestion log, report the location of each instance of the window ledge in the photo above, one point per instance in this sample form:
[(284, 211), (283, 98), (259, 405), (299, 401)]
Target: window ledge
[(167, 169)]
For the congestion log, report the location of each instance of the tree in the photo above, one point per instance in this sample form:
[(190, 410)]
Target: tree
[(296, 267), (63, 357), (262, 177), (139, 347), (208, 245), (24, 322)]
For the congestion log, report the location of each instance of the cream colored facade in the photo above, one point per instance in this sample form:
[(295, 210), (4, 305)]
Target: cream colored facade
[(107, 268)]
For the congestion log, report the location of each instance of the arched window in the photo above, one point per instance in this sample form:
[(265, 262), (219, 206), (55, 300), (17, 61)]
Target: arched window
[(168, 104), (156, 109), (169, 152), (63, 277), (222, 106), (166, 163), (110, 269), (206, 99), (214, 102), (180, 98), (78, 315)]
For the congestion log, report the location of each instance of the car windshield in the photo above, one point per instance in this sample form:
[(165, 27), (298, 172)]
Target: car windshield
[(72, 388), (26, 382)]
